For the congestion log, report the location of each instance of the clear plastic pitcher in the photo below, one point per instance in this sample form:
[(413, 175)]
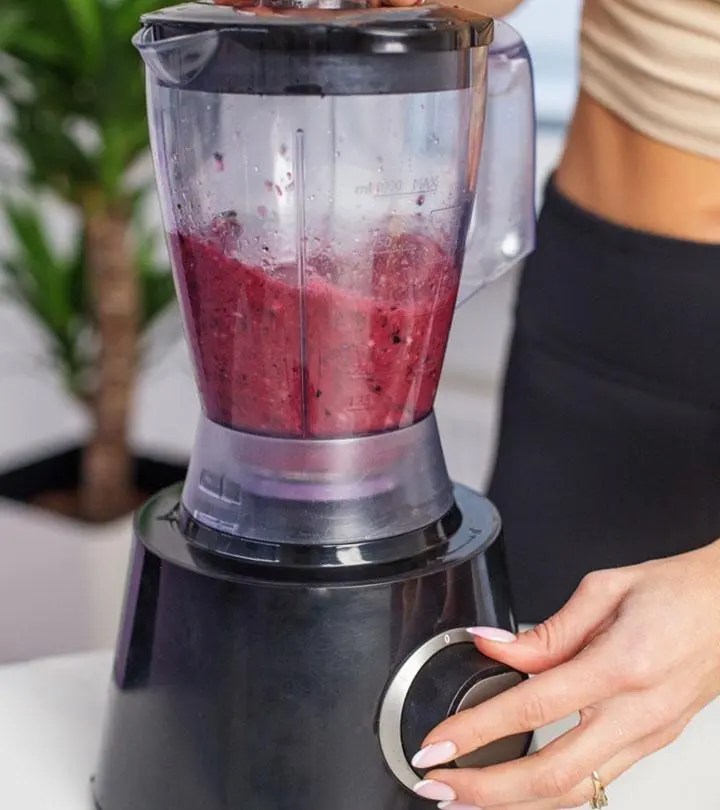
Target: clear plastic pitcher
[(334, 181)]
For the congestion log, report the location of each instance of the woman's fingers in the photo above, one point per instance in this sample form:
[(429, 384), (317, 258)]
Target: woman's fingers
[(584, 791), (559, 767), (586, 614), (254, 3), (544, 699)]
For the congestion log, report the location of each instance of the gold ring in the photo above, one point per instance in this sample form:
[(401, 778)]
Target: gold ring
[(599, 798)]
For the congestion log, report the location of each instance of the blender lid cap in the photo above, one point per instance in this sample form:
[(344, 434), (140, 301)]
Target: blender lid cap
[(328, 26)]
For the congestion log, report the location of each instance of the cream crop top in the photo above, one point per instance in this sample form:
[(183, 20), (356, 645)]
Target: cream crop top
[(656, 65)]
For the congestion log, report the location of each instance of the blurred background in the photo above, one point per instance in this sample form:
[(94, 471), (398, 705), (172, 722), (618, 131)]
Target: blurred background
[(74, 179)]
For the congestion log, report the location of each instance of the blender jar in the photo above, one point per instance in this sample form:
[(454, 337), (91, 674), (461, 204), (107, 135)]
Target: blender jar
[(320, 173)]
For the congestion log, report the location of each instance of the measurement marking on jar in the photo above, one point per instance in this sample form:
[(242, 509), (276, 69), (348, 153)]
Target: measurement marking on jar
[(398, 188)]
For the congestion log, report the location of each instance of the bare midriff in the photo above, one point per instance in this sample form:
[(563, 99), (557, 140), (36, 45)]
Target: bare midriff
[(623, 176)]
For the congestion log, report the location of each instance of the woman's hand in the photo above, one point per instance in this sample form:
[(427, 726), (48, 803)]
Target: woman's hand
[(494, 8), (636, 651)]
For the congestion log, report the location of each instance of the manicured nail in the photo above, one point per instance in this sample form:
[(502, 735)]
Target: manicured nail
[(437, 791), (455, 806), (492, 634), (434, 754)]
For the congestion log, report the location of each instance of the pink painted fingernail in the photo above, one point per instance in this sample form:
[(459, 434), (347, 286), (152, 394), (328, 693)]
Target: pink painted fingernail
[(493, 634), (455, 806), (437, 791), (434, 754)]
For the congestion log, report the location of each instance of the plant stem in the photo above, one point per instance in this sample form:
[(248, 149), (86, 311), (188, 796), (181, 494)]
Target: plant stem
[(106, 486)]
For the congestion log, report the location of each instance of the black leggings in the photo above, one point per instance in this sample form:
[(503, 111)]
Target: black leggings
[(609, 449)]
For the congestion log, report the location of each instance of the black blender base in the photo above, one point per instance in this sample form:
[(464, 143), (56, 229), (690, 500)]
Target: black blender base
[(232, 688)]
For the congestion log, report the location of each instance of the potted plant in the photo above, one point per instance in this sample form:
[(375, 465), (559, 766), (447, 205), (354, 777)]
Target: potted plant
[(73, 86)]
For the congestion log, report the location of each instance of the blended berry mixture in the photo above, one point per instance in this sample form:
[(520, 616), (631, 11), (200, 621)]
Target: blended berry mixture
[(361, 353)]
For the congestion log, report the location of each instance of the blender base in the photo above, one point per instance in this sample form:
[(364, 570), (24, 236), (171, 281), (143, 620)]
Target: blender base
[(241, 686)]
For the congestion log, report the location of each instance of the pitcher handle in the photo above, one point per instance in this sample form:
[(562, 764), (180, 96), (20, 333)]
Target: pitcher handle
[(502, 226)]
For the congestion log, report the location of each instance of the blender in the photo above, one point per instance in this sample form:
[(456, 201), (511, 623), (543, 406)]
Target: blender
[(334, 179)]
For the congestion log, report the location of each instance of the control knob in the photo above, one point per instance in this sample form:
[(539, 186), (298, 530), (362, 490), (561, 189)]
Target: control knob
[(444, 676)]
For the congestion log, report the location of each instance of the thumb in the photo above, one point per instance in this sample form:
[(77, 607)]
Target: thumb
[(561, 637)]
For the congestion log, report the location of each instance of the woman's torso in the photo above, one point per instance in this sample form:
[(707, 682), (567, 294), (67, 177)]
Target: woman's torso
[(643, 149)]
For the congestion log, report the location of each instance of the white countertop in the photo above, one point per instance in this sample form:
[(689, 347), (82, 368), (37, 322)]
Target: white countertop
[(51, 712)]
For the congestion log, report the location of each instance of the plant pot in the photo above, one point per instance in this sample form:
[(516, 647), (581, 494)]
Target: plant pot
[(60, 472), (62, 580)]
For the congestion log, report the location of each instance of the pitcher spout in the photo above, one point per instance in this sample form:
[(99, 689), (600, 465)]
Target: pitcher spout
[(176, 60)]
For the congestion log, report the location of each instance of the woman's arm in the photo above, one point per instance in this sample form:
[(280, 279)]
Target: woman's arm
[(492, 8)]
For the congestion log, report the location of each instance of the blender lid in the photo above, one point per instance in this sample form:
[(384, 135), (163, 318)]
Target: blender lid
[(328, 26)]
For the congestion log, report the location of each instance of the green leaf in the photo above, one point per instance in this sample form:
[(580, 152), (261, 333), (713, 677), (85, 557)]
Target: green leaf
[(14, 22), (48, 29), (36, 46), (71, 68), (122, 145), (39, 273), (40, 280), (56, 160), (86, 17)]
